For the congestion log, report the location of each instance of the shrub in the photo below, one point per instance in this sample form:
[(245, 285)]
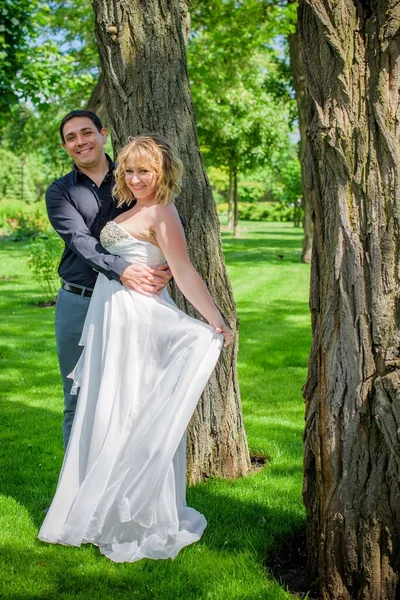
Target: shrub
[(22, 221), (251, 191), (24, 226), (16, 177), (222, 208), (262, 211), (45, 253)]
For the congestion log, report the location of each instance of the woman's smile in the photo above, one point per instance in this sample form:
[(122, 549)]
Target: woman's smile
[(142, 182)]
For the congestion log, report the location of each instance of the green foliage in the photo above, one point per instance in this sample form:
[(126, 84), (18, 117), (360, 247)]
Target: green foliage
[(34, 133), (34, 66), (44, 258), (24, 226), (20, 177), (16, 31), (240, 81), (263, 211), (54, 70), (251, 191)]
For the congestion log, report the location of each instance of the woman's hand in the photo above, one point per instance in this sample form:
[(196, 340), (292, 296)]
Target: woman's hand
[(222, 327)]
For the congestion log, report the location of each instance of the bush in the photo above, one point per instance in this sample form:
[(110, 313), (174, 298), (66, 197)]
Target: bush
[(251, 191), (262, 211), (22, 221), (45, 253), (25, 226), (16, 177)]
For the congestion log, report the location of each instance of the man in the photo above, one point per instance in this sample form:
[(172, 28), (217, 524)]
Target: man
[(79, 205)]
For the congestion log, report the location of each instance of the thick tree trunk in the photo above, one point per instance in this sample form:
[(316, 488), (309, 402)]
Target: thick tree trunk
[(143, 61), (296, 63), (97, 103), (352, 458)]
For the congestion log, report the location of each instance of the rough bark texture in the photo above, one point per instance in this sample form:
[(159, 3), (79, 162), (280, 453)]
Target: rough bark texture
[(143, 61), (97, 103), (352, 457), (302, 100)]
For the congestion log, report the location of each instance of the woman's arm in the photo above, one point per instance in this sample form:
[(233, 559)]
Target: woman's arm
[(170, 237)]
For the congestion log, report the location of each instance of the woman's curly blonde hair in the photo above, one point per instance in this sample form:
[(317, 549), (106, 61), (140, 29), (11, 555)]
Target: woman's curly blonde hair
[(155, 153)]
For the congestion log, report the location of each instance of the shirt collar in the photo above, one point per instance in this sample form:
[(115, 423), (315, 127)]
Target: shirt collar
[(78, 175)]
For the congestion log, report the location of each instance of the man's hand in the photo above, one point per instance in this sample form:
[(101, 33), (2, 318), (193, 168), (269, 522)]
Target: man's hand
[(146, 280)]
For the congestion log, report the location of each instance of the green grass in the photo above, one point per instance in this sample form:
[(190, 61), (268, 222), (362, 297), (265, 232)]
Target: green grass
[(247, 518)]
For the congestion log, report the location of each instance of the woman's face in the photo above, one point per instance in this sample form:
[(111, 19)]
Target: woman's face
[(141, 180)]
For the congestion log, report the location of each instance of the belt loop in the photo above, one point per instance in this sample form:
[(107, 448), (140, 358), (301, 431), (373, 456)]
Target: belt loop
[(83, 292)]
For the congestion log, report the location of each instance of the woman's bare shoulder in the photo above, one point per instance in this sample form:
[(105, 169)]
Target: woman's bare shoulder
[(165, 212)]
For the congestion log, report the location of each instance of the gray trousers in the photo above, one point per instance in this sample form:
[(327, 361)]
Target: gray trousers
[(70, 317)]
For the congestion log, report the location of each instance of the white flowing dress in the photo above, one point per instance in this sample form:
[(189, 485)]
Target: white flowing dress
[(143, 368)]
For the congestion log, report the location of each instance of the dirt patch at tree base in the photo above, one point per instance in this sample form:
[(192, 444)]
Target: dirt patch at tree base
[(258, 461), (45, 304), (288, 565)]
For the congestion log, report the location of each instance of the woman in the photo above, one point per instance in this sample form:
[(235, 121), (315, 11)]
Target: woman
[(141, 373)]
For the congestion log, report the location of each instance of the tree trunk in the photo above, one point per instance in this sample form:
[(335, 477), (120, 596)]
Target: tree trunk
[(296, 63), (97, 103), (230, 200), (143, 61), (235, 202), (352, 459)]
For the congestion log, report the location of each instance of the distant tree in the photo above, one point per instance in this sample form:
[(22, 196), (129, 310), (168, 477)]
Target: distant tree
[(240, 85)]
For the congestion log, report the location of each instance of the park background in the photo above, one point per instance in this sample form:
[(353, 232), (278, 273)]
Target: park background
[(247, 126), (248, 90)]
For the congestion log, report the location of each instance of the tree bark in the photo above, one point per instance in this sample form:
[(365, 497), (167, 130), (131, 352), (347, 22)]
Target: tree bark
[(352, 459), (143, 60), (97, 103), (302, 100)]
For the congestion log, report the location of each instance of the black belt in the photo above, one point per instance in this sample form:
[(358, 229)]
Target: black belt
[(74, 289)]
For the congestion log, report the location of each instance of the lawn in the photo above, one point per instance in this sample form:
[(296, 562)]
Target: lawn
[(248, 519)]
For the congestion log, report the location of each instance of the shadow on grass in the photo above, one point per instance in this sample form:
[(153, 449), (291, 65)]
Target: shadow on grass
[(274, 247), (240, 522), (271, 327), (247, 516), (80, 574)]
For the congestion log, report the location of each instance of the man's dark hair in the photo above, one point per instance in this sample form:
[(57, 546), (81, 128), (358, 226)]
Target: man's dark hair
[(80, 113)]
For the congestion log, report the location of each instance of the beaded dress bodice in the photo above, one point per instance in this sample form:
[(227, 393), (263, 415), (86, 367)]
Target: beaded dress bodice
[(117, 240)]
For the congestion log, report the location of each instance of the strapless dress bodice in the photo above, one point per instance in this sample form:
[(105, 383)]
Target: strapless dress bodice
[(117, 240)]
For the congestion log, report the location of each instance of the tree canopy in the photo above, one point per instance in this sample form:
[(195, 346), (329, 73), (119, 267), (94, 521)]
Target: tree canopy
[(238, 67)]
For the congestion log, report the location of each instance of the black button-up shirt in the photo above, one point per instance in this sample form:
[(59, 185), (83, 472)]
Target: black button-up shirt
[(78, 211)]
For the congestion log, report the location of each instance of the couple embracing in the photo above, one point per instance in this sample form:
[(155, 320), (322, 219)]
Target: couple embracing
[(138, 363)]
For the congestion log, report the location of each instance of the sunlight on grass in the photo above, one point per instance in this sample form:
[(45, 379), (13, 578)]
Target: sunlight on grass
[(247, 518)]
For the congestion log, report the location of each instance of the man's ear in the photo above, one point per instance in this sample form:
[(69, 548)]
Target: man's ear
[(104, 134)]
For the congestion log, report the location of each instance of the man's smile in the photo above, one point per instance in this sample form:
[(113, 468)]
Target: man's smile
[(84, 150)]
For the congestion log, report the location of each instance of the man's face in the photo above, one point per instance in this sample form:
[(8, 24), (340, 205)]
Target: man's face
[(83, 142)]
